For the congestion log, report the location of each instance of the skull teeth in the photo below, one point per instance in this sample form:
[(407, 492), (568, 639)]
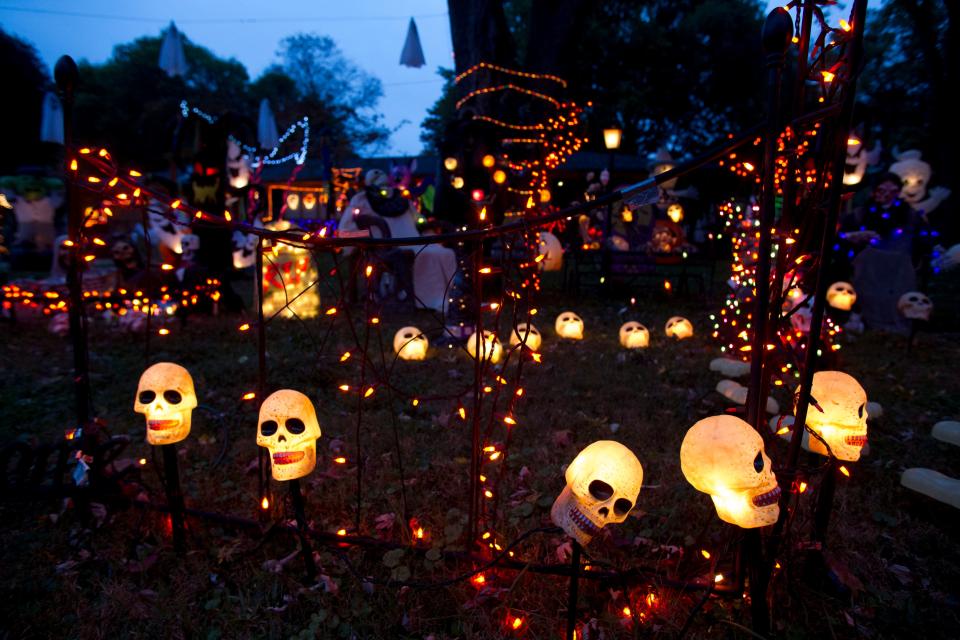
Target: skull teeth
[(160, 425), (856, 441), (582, 522), (287, 457), (768, 498)]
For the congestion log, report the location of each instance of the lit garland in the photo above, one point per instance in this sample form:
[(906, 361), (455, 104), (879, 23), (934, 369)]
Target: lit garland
[(514, 72)]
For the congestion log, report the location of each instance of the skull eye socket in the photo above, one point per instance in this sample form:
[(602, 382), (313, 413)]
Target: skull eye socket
[(295, 426), (407, 335), (860, 411), (146, 397), (600, 490), (172, 396), (268, 428), (622, 506), (758, 462), (628, 329)]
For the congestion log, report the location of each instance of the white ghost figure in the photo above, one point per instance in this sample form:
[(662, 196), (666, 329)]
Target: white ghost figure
[(166, 397), (915, 174), (838, 414), (288, 428), (634, 335), (409, 343), (914, 305), (490, 349), (858, 158), (724, 457), (527, 334), (569, 326), (841, 295), (602, 486), (678, 327)]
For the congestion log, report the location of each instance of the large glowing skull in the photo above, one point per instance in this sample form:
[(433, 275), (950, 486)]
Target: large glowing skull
[(634, 335), (289, 429), (838, 414), (603, 484), (678, 327), (569, 325), (527, 334), (410, 344), (724, 457), (548, 246), (490, 348), (841, 295), (165, 395), (914, 305)]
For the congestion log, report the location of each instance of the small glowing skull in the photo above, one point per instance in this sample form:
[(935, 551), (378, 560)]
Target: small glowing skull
[(289, 429), (166, 397), (634, 335), (841, 295), (410, 344), (914, 305), (569, 325), (724, 457), (603, 484), (678, 327), (838, 414), (491, 349), (526, 334)]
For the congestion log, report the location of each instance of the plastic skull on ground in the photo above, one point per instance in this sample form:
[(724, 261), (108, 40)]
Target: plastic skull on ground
[(914, 305), (569, 326), (410, 344), (678, 327), (838, 414), (490, 350), (634, 335), (289, 429), (165, 395), (724, 457), (603, 484), (842, 296), (527, 334)]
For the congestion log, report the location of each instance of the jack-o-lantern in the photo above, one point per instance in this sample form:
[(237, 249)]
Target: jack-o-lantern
[(842, 296), (838, 414), (289, 429), (634, 335), (603, 485), (527, 334), (569, 326), (678, 327), (409, 343), (724, 457), (914, 305), (490, 349), (165, 395)]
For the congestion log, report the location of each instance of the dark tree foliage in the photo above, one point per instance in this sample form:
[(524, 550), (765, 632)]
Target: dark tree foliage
[(440, 113), (25, 79)]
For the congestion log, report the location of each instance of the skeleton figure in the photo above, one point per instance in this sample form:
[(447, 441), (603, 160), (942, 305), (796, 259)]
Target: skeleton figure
[(526, 334), (914, 305), (842, 296), (410, 344), (724, 457), (569, 325), (915, 174), (634, 335), (490, 348), (858, 158), (838, 414), (678, 327), (289, 430), (165, 395), (603, 484)]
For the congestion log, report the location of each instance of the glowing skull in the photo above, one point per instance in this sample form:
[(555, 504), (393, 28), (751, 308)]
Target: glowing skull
[(526, 334), (724, 457), (838, 414), (491, 348), (410, 344), (550, 248), (569, 325), (914, 305), (603, 484), (289, 430), (634, 335), (841, 295), (678, 327), (165, 395)]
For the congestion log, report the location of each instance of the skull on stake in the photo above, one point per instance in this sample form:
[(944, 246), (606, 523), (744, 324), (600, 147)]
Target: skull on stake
[(569, 325), (838, 414), (603, 484), (527, 334), (289, 430), (634, 335), (410, 344), (914, 305), (841, 295), (724, 457), (678, 327), (490, 349), (165, 395)]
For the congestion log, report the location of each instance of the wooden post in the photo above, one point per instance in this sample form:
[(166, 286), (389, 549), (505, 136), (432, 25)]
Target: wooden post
[(306, 551)]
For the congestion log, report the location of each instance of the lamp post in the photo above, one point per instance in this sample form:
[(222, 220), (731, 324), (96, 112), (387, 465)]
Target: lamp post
[(611, 140)]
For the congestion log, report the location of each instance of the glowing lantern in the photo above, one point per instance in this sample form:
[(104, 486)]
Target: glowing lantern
[(838, 414), (569, 326), (724, 457), (634, 335), (477, 194), (457, 182), (499, 176), (410, 344), (491, 348), (549, 246), (488, 161), (678, 327), (914, 305), (293, 201), (165, 395), (289, 430), (526, 334), (545, 195), (675, 212), (611, 138), (603, 485), (450, 164), (841, 295)]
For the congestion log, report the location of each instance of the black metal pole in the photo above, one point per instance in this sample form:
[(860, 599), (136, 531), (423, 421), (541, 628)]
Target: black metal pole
[(482, 353), (306, 550), (821, 518), (262, 482), (572, 593), (171, 475)]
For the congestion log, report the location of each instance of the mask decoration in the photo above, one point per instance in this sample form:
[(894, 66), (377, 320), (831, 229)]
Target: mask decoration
[(858, 158), (569, 326), (549, 246), (724, 457), (293, 201), (915, 174), (634, 335), (289, 430), (914, 305), (838, 414), (603, 485), (491, 348), (244, 250), (410, 344), (675, 213), (165, 395), (842, 296), (678, 327), (309, 201), (526, 334)]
